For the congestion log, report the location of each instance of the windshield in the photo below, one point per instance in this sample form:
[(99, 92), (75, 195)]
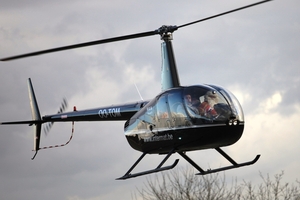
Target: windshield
[(236, 107), (206, 103)]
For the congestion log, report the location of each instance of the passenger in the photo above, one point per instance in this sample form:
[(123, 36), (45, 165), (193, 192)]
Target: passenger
[(190, 103), (188, 99), (207, 106)]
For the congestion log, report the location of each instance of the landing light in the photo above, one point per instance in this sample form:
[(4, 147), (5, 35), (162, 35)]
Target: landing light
[(233, 122)]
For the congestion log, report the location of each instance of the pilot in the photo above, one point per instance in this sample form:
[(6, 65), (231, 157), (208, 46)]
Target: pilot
[(207, 106)]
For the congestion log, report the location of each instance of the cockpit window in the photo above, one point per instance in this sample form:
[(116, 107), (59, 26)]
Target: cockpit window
[(234, 104), (176, 104), (177, 110), (207, 104), (185, 106), (162, 107)]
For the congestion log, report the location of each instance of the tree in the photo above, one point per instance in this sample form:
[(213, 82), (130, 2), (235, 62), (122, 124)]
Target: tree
[(184, 185)]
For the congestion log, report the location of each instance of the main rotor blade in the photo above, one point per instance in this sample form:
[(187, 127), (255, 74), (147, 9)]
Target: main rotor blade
[(224, 13), (161, 30), (114, 39)]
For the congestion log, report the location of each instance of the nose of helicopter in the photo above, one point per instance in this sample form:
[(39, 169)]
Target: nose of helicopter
[(237, 115)]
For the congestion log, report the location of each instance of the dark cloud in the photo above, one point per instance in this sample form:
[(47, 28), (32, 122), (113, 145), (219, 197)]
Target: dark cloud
[(253, 52)]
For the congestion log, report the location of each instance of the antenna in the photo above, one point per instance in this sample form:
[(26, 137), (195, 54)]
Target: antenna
[(138, 92)]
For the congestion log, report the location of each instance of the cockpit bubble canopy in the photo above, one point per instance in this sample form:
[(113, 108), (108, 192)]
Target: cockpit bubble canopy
[(185, 106), (212, 103)]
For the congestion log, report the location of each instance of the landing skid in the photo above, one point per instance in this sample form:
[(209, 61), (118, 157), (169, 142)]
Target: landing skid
[(209, 171), (201, 171), (157, 169)]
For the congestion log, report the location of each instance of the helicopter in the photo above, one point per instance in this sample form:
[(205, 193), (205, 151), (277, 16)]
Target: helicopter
[(179, 119)]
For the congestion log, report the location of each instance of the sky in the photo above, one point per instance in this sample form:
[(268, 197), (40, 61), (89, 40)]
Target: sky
[(254, 53)]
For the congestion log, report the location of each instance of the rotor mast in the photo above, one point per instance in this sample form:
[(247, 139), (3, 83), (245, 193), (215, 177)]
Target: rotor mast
[(169, 74)]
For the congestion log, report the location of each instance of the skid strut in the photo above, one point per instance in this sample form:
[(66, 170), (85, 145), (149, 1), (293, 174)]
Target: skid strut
[(189, 160), (157, 169)]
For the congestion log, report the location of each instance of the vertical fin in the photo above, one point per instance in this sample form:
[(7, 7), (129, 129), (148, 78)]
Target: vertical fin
[(35, 116)]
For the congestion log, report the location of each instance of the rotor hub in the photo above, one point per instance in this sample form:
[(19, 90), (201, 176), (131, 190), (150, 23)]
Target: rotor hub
[(166, 32)]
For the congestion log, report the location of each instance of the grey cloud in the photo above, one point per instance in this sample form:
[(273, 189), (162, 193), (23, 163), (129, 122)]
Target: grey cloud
[(256, 49)]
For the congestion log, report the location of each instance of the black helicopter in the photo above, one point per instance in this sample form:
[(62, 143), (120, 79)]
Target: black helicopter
[(178, 120)]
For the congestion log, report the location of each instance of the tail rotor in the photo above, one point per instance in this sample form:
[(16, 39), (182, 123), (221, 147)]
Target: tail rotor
[(37, 121), (48, 125)]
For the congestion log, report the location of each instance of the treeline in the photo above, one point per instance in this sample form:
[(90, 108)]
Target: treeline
[(185, 185)]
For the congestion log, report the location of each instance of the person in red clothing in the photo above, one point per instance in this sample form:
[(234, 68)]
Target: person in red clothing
[(206, 108)]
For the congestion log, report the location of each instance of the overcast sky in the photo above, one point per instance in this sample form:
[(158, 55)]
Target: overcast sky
[(254, 53)]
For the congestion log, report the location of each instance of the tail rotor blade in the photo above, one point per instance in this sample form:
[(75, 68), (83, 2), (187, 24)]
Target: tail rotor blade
[(62, 108)]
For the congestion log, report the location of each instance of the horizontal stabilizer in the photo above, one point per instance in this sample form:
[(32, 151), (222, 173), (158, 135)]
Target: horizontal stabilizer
[(30, 122)]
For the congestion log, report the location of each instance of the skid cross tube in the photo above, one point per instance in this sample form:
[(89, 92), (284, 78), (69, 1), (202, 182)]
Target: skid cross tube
[(157, 169)]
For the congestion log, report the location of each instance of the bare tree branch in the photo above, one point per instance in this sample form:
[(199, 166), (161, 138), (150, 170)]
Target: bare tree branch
[(182, 184)]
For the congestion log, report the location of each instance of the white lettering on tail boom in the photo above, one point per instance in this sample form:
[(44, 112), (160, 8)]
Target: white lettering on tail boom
[(110, 112)]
